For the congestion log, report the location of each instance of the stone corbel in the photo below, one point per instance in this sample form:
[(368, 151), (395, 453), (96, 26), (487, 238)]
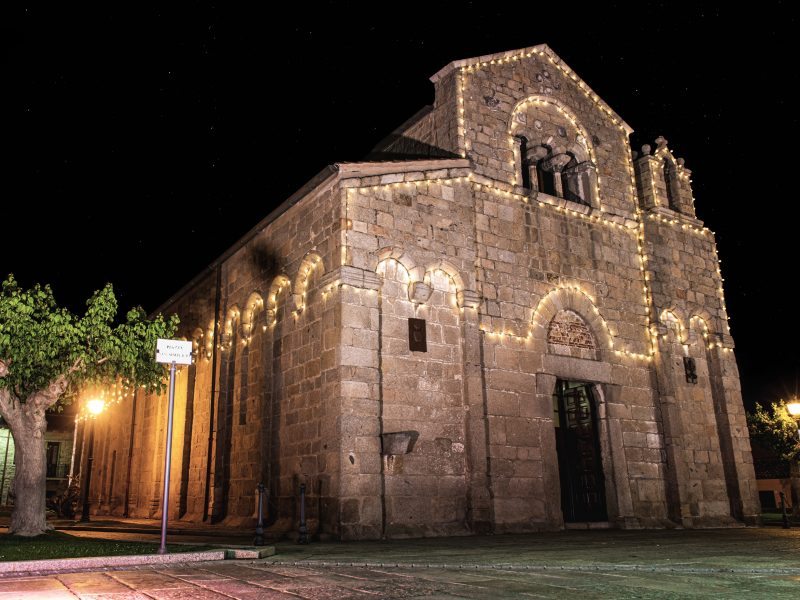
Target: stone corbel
[(398, 442), (468, 299), (358, 278), (419, 292), (724, 340), (660, 329), (298, 304)]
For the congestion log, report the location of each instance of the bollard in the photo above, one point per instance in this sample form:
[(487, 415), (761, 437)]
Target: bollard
[(303, 537), (259, 539), (784, 517)]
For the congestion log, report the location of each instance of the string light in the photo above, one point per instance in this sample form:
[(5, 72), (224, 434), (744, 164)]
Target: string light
[(254, 304), (571, 118), (462, 138), (231, 322), (479, 184), (97, 399), (591, 215), (280, 283), (310, 263), (546, 53)]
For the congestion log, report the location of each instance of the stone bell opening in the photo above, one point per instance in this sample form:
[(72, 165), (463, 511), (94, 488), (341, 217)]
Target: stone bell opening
[(580, 466)]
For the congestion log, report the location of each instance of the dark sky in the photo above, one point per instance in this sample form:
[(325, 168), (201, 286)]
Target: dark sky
[(139, 144)]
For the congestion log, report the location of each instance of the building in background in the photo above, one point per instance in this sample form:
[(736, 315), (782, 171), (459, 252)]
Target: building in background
[(58, 440), (506, 321)]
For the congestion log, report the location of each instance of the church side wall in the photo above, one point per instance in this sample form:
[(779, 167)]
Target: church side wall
[(272, 384)]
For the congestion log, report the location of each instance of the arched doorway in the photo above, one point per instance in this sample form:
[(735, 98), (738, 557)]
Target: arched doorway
[(580, 466)]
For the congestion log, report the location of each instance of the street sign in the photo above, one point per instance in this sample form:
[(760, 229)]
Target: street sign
[(174, 351)]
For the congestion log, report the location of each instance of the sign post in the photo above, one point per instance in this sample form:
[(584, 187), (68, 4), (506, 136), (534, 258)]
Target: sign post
[(171, 352)]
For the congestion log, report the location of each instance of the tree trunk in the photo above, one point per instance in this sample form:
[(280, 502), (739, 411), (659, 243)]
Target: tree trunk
[(29, 516), (794, 482)]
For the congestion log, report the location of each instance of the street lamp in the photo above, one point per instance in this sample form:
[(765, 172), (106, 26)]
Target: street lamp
[(794, 410), (94, 407)]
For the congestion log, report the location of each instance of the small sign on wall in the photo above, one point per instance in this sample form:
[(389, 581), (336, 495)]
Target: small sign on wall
[(417, 340)]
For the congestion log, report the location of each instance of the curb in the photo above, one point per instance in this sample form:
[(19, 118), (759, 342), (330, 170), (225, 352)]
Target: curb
[(100, 562), (152, 531), (112, 562), (599, 567)]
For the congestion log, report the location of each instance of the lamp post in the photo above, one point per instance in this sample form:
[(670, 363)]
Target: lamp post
[(794, 410), (93, 408)]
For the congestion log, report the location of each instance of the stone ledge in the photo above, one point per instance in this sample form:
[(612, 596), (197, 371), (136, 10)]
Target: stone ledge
[(249, 552), (101, 562)]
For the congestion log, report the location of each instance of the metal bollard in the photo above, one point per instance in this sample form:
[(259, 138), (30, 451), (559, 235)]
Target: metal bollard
[(259, 539), (303, 537), (784, 517)]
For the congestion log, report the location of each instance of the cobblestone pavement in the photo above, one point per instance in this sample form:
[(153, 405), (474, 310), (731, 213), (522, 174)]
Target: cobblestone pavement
[(753, 563)]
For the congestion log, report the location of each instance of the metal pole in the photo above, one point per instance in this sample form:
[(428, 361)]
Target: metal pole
[(72, 458), (88, 482), (126, 511), (167, 459), (259, 539), (303, 537), (784, 517)]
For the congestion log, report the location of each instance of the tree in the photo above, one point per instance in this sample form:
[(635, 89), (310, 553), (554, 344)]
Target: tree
[(46, 354), (776, 429)]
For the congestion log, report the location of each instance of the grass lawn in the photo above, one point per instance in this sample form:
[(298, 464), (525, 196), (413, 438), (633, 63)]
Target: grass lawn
[(60, 545), (775, 518)]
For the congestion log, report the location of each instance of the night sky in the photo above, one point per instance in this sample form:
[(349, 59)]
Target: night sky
[(138, 145)]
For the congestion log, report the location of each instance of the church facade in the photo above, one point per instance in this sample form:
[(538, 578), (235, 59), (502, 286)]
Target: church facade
[(509, 322)]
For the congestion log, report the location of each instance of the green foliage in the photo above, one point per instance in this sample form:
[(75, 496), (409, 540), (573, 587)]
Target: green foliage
[(56, 544), (776, 429), (40, 341)]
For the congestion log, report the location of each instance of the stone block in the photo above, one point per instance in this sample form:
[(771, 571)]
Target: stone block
[(255, 552), (521, 432), (502, 403), (510, 380)]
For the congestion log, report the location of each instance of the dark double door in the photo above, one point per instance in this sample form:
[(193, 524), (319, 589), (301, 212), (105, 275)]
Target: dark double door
[(583, 497)]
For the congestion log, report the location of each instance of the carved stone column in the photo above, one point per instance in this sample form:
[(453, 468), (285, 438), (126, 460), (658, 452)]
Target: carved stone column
[(667, 406), (545, 387), (479, 504), (360, 412), (734, 441)]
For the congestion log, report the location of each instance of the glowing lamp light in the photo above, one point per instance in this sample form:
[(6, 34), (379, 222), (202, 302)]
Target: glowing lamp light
[(794, 408), (95, 407)]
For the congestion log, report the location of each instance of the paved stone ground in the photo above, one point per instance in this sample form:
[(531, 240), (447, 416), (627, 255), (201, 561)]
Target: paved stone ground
[(745, 563)]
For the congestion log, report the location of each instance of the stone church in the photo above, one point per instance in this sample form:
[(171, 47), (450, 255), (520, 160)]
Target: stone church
[(505, 320)]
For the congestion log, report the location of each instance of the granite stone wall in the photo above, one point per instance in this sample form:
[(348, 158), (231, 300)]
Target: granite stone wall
[(544, 250)]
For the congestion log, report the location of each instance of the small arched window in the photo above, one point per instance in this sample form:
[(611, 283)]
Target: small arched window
[(575, 180), (546, 176), (671, 180)]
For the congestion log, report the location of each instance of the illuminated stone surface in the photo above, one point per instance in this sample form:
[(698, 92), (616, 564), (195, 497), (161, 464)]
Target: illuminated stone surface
[(309, 362)]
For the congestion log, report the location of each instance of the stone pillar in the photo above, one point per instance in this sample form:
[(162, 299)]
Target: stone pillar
[(734, 440), (667, 406), (545, 387), (646, 169), (479, 503), (610, 408), (361, 484)]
